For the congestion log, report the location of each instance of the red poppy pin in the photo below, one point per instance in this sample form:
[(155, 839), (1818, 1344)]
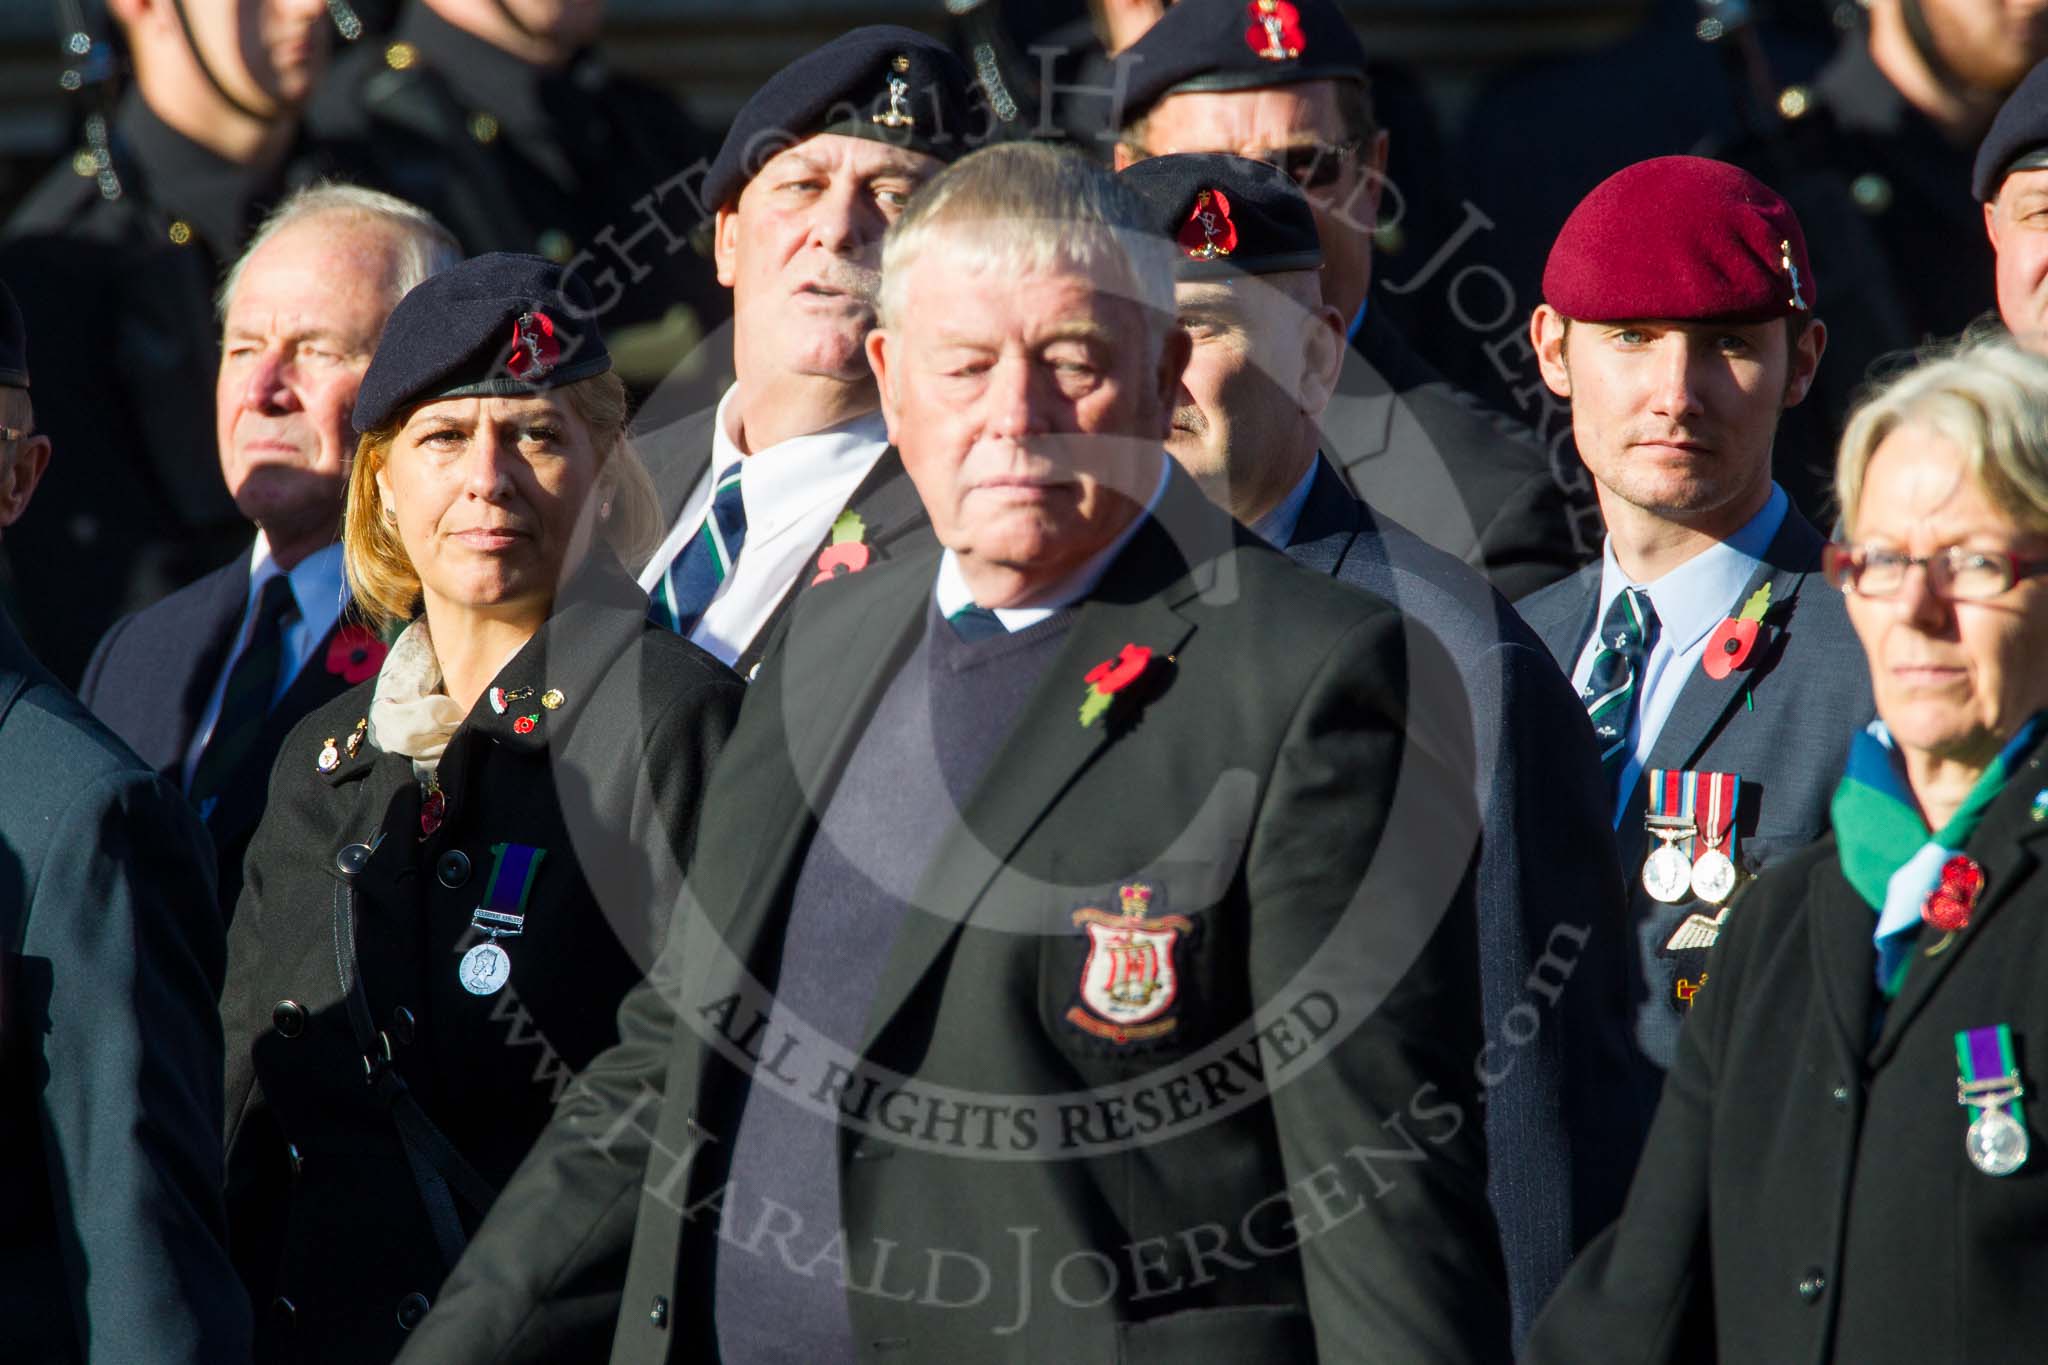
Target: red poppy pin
[(1948, 906), (1729, 646), (1110, 677), (1275, 34), (524, 725), (847, 553), (535, 351), (355, 654), (1208, 232)]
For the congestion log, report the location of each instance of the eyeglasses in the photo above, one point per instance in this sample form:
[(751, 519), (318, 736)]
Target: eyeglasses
[(15, 433), (1956, 574), (1313, 165)]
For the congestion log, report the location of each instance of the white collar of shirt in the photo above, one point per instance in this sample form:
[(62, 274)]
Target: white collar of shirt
[(1276, 528), (952, 594), (1701, 593), (797, 474)]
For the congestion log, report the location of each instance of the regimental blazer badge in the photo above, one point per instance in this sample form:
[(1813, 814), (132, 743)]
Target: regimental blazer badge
[(1130, 979)]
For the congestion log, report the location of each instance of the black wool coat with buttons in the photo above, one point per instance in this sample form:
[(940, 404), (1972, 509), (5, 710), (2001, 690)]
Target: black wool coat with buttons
[(327, 1225), (1805, 1195)]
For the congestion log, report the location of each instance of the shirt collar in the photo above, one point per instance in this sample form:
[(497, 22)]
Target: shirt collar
[(207, 191), (319, 584), (1277, 527), (952, 594), (1704, 591), (798, 472), (483, 75)]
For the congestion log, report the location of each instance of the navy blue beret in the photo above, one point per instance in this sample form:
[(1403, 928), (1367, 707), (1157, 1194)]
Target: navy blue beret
[(2018, 140), (883, 82), (496, 325), (13, 342), (1228, 214), (1240, 45)]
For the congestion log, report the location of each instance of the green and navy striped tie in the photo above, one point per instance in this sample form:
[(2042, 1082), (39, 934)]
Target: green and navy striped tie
[(1610, 691), (692, 581)]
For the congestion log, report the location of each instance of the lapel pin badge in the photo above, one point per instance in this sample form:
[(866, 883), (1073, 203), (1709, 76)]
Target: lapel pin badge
[(1728, 648)]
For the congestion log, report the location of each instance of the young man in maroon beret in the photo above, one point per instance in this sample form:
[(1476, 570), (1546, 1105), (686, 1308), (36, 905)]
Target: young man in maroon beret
[(1716, 663)]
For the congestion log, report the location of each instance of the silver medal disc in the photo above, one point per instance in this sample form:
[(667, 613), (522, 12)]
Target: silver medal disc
[(485, 969), (1667, 874), (1997, 1143), (1713, 876)]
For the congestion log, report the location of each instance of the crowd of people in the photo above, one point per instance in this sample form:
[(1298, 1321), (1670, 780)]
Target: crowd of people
[(1088, 805)]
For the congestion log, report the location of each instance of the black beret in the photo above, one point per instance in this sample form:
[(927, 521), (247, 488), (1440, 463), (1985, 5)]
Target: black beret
[(495, 325), (1229, 215), (13, 343), (883, 82), (1240, 45), (2018, 140)]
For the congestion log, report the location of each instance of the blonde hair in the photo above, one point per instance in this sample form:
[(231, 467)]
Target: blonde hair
[(1983, 394), (1028, 208), (381, 576)]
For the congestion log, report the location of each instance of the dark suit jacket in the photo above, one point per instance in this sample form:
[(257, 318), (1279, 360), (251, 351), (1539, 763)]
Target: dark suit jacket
[(323, 1207), (897, 528), (1805, 1195), (111, 1234), (149, 681), (1255, 783), (1464, 478), (1783, 724), (1554, 945)]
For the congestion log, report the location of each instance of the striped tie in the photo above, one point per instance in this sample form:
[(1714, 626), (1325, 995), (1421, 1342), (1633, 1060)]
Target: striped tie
[(1610, 691), (686, 590), (972, 623), (245, 700)]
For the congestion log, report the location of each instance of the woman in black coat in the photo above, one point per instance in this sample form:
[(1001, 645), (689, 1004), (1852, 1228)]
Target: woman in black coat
[(464, 860), (1846, 1165)]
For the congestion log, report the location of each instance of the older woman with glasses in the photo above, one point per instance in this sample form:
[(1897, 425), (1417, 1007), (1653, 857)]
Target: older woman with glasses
[(1842, 1167)]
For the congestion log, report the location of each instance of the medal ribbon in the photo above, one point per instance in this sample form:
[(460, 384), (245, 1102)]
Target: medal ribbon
[(513, 869), (1989, 1072), (1673, 792), (1722, 791)]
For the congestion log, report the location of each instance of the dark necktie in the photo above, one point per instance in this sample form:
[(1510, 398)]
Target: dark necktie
[(245, 702), (973, 623), (679, 600), (1611, 686)]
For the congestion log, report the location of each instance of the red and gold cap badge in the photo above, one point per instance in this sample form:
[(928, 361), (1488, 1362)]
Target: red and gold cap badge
[(1275, 34), (535, 351), (1208, 232)]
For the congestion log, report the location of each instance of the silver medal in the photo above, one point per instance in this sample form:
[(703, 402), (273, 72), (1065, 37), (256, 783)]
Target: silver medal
[(1997, 1143), (1667, 874), (1713, 876), (485, 969)]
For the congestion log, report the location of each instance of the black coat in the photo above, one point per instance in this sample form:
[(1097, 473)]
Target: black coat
[(111, 1235), (327, 1225), (1805, 1195), (1253, 784)]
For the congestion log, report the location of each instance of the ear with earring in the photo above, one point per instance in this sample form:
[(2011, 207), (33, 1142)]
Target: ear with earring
[(390, 517)]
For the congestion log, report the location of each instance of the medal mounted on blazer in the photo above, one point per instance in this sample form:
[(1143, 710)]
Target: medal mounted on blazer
[(1667, 872), (1988, 1085), (487, 966), (1713, 866)]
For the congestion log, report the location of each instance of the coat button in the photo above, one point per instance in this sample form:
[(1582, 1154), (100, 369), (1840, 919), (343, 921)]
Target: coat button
[(289, 1018), (283, 1313), (1841, 1096), (352, 858), (402, 1024), (453, 868), (411, 1309), (658, 1314), (1813, 1285)]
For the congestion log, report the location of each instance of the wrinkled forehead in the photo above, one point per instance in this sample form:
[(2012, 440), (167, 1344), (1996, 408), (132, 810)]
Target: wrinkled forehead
[(1263, 119), (836, 155)]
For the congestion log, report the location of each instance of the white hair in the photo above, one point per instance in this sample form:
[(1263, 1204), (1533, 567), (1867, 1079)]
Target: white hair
[(424, 246), (1026, 209)]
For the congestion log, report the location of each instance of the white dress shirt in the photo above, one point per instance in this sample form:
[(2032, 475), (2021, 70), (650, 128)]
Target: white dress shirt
[(1690, 601), (319, 589), (792, 493)]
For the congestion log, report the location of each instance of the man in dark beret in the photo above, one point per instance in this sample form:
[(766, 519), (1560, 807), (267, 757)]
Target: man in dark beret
[(116, 255), (1286, 82), (2010, 180), (1264, 362), (790, 480), (112, 956), (1716, 663)]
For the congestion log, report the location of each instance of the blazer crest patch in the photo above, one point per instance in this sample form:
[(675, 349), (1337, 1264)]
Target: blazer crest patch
[(1130, 981)]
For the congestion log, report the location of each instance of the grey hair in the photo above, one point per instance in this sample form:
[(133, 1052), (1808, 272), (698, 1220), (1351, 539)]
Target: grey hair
[(1028, 208), (424, 245), (1986, 396)]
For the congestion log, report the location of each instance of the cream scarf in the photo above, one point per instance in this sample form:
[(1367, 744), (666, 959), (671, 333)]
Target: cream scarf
[(409, 713)]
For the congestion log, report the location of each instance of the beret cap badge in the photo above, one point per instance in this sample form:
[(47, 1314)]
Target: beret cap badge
[(1798, 299), (1208, 232), (535, 352), (896, 116), (1275, 34)]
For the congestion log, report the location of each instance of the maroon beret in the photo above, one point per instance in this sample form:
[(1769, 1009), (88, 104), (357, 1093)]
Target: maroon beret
[(1680, 238)]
